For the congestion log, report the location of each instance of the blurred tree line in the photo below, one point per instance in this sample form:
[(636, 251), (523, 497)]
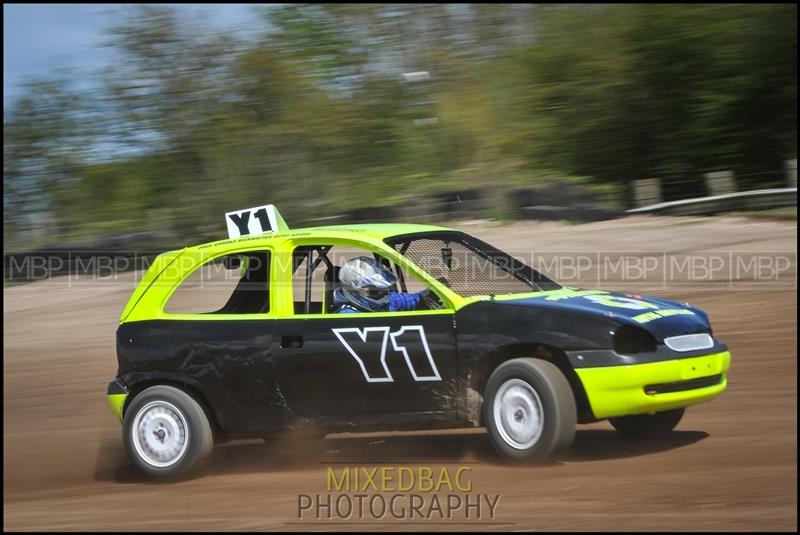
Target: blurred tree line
[(329, 108)]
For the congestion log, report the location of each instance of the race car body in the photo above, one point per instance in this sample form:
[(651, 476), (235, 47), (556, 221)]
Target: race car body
[(618, 346), (501, 345)]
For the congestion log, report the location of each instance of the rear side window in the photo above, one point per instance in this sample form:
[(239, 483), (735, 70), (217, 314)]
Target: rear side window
[(232, 284)]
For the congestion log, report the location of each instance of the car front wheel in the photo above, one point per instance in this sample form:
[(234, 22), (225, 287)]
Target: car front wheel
[(529, 410), (166, 431)]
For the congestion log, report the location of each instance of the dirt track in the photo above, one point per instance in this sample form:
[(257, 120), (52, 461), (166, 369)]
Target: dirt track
[(731, 465)]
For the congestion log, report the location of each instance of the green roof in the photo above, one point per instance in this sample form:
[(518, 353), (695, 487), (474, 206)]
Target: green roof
[(376, 230), (379, 231)]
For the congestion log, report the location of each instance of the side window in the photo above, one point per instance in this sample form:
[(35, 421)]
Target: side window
[(462, 268), (232, 284), (313, 293)]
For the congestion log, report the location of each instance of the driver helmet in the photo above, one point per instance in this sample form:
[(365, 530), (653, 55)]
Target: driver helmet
[(365, 284)]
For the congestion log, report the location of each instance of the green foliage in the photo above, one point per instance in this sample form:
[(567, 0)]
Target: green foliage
[(315, 114), (626, 92)]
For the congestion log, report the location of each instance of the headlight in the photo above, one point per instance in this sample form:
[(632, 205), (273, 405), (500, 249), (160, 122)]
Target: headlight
[(629, 340), (689, 342)]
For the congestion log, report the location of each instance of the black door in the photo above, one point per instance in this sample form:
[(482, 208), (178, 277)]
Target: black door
[(363, 367)]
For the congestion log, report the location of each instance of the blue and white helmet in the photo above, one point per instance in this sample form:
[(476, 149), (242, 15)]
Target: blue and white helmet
[(365, 284)]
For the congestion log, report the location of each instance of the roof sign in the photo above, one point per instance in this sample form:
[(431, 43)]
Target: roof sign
[(254, 221)]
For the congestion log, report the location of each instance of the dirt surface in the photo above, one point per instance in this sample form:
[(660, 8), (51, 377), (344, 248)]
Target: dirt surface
[(730, 465)]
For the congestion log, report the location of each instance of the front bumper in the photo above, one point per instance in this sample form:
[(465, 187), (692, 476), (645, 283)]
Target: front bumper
[(117, 394), (653, 387)]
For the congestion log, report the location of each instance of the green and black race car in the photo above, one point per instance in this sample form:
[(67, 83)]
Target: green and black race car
[(495, 344)]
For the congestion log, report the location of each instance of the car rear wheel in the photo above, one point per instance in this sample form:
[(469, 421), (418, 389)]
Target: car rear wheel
[(529, 410), (647, 425), (166, 431)]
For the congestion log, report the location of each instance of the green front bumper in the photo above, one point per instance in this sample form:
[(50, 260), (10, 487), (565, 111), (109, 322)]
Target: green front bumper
[(645, 388)]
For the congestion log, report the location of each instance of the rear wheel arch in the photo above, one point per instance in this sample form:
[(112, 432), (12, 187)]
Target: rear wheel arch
[(193, 391)]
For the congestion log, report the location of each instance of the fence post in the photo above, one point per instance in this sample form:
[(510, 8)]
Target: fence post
[(720, 182), (647, 191), (791, 172)]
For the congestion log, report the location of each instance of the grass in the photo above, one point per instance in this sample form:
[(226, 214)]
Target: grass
[(784, 213)]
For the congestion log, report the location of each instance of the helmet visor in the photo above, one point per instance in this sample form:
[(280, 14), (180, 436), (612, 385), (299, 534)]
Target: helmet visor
[(375, 293), (364, 273)]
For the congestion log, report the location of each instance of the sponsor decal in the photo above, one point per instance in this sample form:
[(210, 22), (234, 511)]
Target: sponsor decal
[(663, 313), (368, 346), (630, 302), (620, 302)]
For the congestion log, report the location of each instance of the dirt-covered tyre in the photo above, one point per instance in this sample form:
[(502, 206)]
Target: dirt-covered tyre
[(529, 410), (647, 425), (166, 431)]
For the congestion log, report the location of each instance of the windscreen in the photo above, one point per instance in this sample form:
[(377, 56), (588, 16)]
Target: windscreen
[(469, 266)]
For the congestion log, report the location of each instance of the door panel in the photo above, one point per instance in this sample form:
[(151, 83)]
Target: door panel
[(349, 366)]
